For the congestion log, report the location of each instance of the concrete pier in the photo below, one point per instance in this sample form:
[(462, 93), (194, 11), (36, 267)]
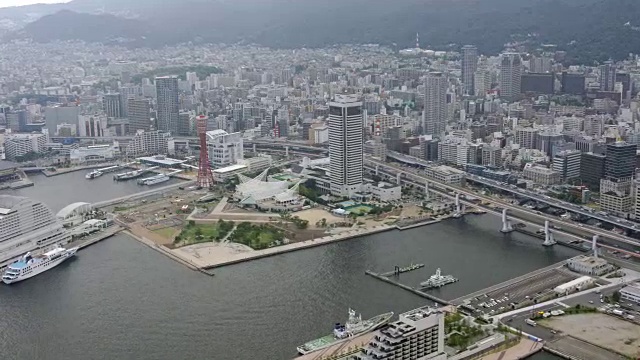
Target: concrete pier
[(506, 224), (408, 288)]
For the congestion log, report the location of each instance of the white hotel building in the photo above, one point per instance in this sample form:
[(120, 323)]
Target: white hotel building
[(346, 145), (27, 225)]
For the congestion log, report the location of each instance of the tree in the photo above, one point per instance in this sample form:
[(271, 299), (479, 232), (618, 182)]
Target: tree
[(323, 222), (191, 223), (616, 296)]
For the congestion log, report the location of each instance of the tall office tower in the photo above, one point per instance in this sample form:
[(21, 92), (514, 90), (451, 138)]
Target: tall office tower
[(607, 76), (621, 161), (567, 163), (434, 115), (510, 76), (346, 144), (112, 105), (168, 106), (469, 67), (139, 115)]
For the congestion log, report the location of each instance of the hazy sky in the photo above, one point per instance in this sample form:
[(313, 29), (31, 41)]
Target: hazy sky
[(7, 3)]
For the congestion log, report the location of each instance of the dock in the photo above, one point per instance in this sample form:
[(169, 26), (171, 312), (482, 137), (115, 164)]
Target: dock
[(96, 237), (403, 225), (399, 270), (408, 288)]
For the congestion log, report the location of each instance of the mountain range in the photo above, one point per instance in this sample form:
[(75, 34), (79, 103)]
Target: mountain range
[(589, 30)]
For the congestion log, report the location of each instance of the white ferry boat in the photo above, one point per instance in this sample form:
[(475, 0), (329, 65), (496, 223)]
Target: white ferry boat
[(154, 180), (94, 174), (32, 265), (437, 280)]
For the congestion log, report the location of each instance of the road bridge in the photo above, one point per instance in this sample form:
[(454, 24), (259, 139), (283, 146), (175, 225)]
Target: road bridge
[(420, 180), (523, 193)]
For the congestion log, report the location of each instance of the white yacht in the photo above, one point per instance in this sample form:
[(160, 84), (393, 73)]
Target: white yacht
[(94, 174), (32, 265)]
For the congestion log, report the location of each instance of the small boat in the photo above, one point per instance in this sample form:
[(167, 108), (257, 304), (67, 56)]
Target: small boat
[(94, 174)]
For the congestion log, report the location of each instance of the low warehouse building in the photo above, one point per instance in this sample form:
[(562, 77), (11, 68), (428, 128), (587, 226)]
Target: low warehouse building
[(574, 285), (631, 293)]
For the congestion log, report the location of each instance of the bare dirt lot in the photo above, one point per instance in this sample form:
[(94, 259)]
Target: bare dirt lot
[(600, 329)]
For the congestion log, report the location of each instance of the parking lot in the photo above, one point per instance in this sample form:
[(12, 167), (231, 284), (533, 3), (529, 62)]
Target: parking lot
[(504, 298)]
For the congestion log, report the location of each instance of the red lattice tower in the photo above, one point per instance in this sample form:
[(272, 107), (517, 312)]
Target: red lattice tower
[(205, 177)]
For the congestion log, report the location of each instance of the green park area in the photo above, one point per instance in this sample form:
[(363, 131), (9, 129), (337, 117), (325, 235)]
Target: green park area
[(257, 237), (194, 233), (459, 334)]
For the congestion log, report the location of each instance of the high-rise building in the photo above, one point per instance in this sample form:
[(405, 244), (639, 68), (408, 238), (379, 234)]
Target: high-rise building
[(537, 83), (112, 105), (469, 67), (592, 169), (139, 115), (621, 161), (607, 76), (17, 145), (346, 138), (27, 225), (482, 81), (510, 76), (168, 105), (434, 114), (17, 120), (418, 334), (527, 138), (567, 163), (572, 83), (492, 156), (56, 115)]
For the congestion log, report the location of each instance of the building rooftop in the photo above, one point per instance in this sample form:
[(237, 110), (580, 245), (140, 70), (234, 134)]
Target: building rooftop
[(229, 169), (589, 260), (633, 289), (161, 160)]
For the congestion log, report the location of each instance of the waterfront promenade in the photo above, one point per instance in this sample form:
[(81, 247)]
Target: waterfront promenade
[(213, 255)]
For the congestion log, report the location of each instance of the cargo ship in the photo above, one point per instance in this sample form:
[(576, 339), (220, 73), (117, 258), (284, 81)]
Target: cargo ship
[(353, 327)]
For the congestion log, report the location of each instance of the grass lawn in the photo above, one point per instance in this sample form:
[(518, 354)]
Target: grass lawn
[(194, 233), (359, 209), (167, 232), (256, 236)]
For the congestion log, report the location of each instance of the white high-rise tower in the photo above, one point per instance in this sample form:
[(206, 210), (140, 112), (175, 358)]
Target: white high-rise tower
[(346, 146), (434, 116)]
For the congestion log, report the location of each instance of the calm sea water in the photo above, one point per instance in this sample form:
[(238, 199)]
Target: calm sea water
[(122, 300)]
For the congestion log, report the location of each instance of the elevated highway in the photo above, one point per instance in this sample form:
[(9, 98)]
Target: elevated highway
[(395, 172)]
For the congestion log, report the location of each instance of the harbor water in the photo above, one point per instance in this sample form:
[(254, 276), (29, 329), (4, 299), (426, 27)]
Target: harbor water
[(120, 299)]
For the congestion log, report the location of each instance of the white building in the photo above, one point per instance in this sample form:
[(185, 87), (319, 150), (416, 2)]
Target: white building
[(94, 153), (446, 174), (631, 293), (27, 225), (320, 134), (224, 148), (574, 285), (346, 144), (258, 163), (418, 334), (567, 163), (150, 143), (16, 145), (384, 191), (92, 125), (588, 265)]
